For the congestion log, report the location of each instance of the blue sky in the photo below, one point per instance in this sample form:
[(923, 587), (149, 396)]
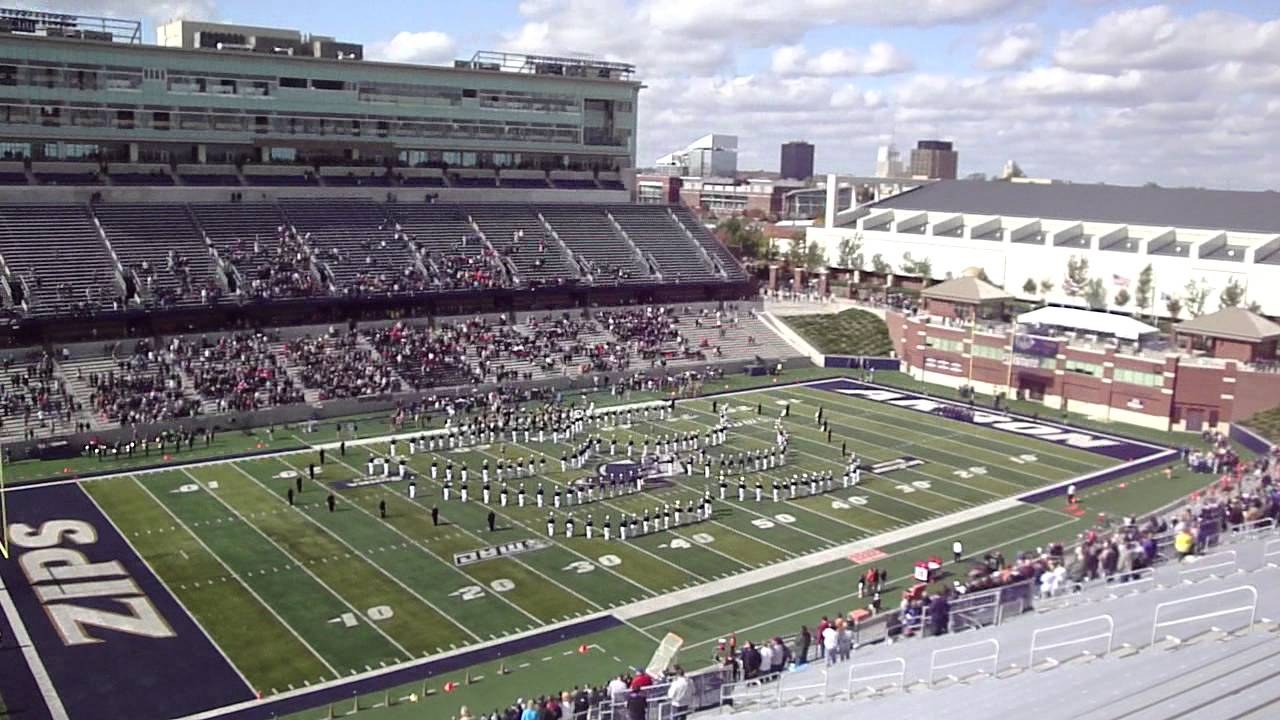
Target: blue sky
[(1185, 92)]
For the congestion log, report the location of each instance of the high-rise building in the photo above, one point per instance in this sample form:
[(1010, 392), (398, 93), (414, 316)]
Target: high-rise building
[(888, 162), (797, 160), (934, 159), (711, 155)]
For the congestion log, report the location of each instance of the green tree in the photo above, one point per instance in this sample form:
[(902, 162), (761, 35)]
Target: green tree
[(1122, 298), (1173, 305), (1254, 307), (1195, 295), (1077, 275), (815, 258), (922, 267), (879, 265), (1046, 286), (1146, 283), (1232, 295), (796, 252), (1029, 287), (1095, 294), (851, 253)]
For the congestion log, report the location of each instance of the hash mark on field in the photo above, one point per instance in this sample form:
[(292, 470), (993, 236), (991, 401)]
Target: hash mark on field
[(523, 665), (545, 659)]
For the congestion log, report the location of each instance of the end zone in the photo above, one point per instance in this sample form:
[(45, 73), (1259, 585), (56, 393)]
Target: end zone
[(88, 604)]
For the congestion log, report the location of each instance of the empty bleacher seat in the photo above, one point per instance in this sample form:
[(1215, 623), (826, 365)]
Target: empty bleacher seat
[(357, 244), (162, 246), (538, 258), (55, 255), (586, 230), (655, 232)]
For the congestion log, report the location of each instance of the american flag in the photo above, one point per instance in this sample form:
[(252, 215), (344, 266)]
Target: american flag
[(1120, 281)]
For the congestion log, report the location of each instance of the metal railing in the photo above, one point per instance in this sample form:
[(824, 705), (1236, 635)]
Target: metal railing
[(1251, 608), (1109, 636), (1221, 562), (866, 680), (981, 661)]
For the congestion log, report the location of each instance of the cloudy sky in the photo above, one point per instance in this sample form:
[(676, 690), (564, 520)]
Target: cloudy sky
[(1180, 93)]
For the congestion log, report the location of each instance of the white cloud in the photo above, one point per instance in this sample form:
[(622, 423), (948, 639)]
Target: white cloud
[(879, 59), (1013, 48), (428, 48), (1157, 37)]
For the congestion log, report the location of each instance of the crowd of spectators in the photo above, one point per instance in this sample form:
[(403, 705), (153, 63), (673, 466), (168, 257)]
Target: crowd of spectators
[(339, 365), (144, 387), (278, 268), (35, 394), (239, 371)]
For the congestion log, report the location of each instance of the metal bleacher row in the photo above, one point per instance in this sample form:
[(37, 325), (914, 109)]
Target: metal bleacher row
[(1196, 638), (145, 255)]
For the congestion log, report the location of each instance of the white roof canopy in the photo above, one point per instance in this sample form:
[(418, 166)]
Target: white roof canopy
[(1102, 323)]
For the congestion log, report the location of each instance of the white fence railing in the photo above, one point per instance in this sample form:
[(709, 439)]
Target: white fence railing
[(1251, 608), (979, 663), (1037, 646), (868, 681)]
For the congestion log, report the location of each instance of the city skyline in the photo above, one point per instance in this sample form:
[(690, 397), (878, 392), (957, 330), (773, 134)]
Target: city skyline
[(1084, 90)]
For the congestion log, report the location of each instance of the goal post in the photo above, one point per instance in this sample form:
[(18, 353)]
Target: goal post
[(4, 510)]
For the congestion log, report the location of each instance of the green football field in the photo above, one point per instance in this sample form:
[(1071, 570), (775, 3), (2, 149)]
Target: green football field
[(296, 596)]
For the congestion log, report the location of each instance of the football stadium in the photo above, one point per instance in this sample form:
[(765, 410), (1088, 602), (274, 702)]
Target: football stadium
[(343, 387)]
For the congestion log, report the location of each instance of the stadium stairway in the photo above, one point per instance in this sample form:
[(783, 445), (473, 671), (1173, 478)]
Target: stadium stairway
[(1184, 639), (291, 368), (76, 373)]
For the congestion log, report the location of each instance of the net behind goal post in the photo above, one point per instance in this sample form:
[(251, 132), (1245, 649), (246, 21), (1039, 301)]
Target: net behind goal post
[(664, 656)]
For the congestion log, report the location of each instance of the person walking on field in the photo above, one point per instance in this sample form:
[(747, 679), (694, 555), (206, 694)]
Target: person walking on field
[(957, 550)]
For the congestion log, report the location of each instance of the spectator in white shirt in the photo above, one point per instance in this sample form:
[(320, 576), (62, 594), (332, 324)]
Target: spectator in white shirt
[(680, 693), (830, 642)]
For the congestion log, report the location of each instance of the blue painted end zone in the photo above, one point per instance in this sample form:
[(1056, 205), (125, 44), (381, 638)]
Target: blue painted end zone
[(113, 639), (343, 691), (1108, 444), (18, 687), (1137, 454)]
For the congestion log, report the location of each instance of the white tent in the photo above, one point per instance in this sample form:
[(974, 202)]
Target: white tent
[(1091, 321)]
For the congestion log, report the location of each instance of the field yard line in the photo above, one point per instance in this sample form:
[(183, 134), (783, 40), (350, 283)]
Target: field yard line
[(615, 507), (236, 575), (869, 543), (847, 596), (735, 582), (928, 511), (167, 589), (31, 655), (717, 523), (804, 430), (772, 476), (869, 419), (360, 554), (801, 435), (555, 540), (1002, 439), (517, 560), (417, 544), (301, 565)]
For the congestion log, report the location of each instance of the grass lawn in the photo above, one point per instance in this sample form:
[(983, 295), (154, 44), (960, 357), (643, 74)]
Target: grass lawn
[(1266, 424), (850, 332)]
